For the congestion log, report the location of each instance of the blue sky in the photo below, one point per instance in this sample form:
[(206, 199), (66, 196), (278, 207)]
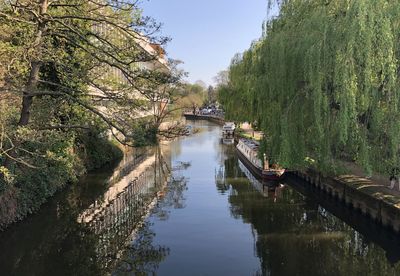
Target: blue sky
[(207, 33)]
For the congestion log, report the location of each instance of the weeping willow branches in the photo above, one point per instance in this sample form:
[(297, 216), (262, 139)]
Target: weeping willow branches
[(323, 83)]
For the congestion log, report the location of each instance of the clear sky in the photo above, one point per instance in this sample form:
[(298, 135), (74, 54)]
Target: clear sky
[(207, 33)]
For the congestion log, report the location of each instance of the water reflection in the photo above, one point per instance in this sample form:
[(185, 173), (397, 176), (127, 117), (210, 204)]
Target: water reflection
[(212, 218), (142, 257), (296, 235), (116, 215), (52, 242), (291, 230), (84, 229), (267, 189), (174, 197)]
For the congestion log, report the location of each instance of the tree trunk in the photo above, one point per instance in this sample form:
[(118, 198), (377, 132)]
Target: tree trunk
[(28, 99), (35, 68), (31, 85)]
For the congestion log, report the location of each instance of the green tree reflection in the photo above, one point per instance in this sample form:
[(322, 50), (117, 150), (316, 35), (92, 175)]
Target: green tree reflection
[(142, 257), (294, 235)]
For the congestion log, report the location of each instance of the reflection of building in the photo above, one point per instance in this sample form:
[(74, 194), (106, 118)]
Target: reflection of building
[(134, 189)]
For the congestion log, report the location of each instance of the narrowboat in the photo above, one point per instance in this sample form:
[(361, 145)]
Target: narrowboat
[(248, 153)]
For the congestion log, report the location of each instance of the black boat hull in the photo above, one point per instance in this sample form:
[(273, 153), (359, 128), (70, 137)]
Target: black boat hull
[(256, 171)]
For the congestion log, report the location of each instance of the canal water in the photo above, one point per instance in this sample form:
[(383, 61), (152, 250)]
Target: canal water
[(190, 207)]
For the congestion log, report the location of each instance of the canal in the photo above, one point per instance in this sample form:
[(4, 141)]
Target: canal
[(190, 207)]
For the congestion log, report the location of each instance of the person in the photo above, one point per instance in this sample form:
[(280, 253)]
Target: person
[(393, 177), (392, 181)]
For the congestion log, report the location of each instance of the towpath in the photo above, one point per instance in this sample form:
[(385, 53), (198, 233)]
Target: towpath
[(376, 185)]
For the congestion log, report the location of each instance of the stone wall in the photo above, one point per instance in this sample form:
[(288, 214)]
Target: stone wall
[(358, 193)]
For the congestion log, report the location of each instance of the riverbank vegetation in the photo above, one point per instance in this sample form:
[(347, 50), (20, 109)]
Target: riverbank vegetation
[(323, 84), (75, 76)]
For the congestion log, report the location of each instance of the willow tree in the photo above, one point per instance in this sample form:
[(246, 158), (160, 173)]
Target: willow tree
[(324, 83)]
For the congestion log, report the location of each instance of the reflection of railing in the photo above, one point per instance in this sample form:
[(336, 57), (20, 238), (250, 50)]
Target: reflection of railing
[(115, 219), (115, 223), (116, 186), (130, 162)]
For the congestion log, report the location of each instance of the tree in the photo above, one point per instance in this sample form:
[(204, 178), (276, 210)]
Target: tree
[(190, 96), (222, 78), (71, 71), (323, 83), (201, 84), (84, 52), (193, 101), (211, 94)]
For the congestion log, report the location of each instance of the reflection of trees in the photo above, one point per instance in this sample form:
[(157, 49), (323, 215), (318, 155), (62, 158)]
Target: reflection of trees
[(174, 195), (54, 243), (51, 243), (115, 221), (228, 167), (296, 236), (142, 257), (230, 163)]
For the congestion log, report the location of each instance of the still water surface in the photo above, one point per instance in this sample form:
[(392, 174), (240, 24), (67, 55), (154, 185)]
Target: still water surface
[(212, 218)]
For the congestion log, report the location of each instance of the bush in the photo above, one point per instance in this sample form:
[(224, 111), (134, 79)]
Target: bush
[(96, 151), (144, 134), (66, 157)]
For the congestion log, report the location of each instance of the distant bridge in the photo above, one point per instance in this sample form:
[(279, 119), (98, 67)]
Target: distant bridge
[(213, 118)]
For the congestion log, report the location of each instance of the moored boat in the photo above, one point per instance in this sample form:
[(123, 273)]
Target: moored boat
[(228, 130), (228, 141), (248, 152)]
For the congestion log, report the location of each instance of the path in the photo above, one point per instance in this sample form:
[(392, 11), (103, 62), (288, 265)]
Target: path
[(377, 185)]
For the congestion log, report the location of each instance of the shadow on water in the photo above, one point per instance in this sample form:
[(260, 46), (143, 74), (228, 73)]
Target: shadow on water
[(372, 232)]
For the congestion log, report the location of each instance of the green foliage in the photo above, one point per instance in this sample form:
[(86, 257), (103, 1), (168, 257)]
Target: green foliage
[(6, 177), (190, 96), (96, 151), (323, 83), (144, 133), (48, 160), (67, 156), (74, 67)]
